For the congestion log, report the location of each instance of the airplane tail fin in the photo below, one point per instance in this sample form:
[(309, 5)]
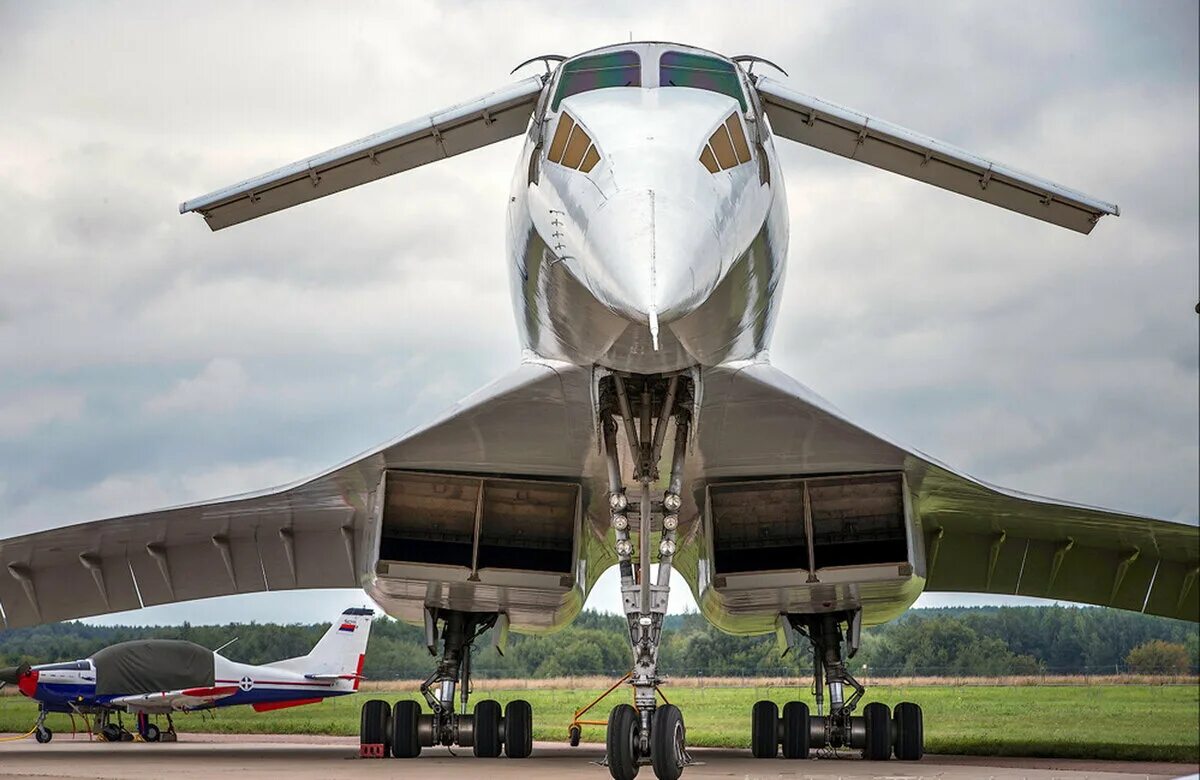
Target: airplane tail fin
[(340, 652)]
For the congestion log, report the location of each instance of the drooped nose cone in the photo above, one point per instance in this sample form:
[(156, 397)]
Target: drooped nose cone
[(654, 257)]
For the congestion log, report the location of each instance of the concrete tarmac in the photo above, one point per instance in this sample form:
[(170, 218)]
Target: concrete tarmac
[(258, 757)]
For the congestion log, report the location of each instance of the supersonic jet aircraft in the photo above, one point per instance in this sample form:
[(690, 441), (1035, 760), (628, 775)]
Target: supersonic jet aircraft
[(160, 676), (647, 237)]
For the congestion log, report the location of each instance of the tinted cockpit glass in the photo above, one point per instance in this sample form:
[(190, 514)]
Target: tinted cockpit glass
[(679, 69), (612, 69), (70, 666)]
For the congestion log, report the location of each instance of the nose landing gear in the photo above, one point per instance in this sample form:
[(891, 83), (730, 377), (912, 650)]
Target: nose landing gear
[(645, 733), (877, 732), (41, 733)]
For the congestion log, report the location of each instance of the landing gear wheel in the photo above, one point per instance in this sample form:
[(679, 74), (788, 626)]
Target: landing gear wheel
[(909, 726), (518, 729), (764, 729), (667, 743), (374, 725), (151, 733), (405, 743), (879, 732), (621, 742), (43, 735), (574, 735), (487, 729), (795, 730), (111, 733)]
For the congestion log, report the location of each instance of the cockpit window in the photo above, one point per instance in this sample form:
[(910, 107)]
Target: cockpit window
[(572, 146), (611, 69), (680, 69), (71, 666)]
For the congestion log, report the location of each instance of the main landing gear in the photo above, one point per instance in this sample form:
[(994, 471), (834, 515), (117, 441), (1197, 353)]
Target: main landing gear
[(401, 731), (877, 733), (644, 733)]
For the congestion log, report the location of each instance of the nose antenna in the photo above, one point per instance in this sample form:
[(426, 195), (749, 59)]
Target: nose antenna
[(754, 58), (543, 58)]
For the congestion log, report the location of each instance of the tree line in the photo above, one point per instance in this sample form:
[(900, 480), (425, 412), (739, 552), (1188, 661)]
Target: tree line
[(980, 641)]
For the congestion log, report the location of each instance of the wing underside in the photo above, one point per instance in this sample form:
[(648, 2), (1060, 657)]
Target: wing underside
[(967, 536), (487, 493), (500, 505)]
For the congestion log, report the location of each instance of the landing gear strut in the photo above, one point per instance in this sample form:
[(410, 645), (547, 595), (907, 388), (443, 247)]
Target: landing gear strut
[(645, 733), (401, 731), (876, 732), (41, 733)]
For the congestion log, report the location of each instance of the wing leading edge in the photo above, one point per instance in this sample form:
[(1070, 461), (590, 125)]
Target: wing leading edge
[(858, 136)]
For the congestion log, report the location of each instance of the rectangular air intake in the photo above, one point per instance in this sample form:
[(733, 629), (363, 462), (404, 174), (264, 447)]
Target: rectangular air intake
[(764, 525), (479, 522)]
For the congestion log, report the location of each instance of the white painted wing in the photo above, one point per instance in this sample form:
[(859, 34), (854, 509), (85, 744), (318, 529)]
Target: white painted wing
[(311, 534), (493, 117), (167, 701), (758, 422), (864, 138), (298, 536)]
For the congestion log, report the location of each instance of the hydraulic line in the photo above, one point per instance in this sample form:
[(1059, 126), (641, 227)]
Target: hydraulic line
[(673, 488), (660, 430), (644, 530), (627, 417)]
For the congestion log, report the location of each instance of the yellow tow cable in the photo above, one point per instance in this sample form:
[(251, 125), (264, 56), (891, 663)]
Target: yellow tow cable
[(23, 736)]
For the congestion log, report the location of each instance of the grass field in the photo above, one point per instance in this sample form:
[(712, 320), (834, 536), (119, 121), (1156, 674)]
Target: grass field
[(1154, 723)]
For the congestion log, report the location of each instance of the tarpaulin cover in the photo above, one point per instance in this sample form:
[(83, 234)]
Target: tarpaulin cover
[(152, 665)]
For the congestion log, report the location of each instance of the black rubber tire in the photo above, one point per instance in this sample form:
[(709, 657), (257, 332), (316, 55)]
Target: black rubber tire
[(764, 729), (405, 714), (795, 730), (667, 741), (111, 733), (374, 724), (909, 727), (487, 729), (152, 733), (574, 735), (621, 742), (879, 732), (518, 729), (43, 735)]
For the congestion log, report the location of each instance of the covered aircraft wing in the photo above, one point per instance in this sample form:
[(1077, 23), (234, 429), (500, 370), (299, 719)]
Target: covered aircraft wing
[(758, 422), (862, 137), (535, 421), (493, 117), (185, 699)]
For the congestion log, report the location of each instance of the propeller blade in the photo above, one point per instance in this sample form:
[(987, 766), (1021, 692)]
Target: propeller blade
[(13, 674)]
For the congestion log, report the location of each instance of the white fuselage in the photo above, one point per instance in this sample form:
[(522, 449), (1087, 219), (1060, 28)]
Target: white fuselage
[(648, 262)]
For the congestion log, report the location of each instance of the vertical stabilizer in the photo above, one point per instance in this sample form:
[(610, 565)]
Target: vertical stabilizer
[(340, 651)]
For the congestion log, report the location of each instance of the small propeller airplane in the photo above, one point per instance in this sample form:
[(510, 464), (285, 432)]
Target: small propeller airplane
[(161, 676)]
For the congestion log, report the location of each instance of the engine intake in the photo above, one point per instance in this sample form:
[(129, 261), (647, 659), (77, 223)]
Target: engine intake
[(764, 525), (479, 522)]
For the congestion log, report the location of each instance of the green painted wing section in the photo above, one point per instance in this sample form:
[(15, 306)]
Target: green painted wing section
[(981, 539)]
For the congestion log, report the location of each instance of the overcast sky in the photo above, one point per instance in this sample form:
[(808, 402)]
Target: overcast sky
[(145, 361)]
